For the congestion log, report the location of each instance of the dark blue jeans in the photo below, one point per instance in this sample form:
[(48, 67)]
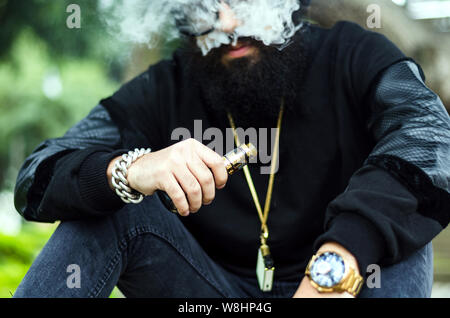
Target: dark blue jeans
[(147, 252)]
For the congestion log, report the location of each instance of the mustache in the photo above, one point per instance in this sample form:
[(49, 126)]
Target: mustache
[(243, 41)]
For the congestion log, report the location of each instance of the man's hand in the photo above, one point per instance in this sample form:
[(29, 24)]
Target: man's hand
[(306, 290), (189, 172)]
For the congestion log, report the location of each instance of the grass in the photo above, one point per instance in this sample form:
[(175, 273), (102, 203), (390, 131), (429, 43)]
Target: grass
[(441, 246), (18, 252)]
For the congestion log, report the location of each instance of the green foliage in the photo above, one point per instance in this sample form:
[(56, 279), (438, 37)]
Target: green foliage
[(48, 21), (50, 78), (17, 254), (28, 114)]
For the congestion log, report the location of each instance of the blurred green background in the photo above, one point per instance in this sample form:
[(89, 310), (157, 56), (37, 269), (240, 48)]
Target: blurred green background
[(52, 76)]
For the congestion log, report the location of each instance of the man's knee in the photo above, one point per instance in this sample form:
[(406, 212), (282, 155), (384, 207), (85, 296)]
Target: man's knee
[(97, 246)]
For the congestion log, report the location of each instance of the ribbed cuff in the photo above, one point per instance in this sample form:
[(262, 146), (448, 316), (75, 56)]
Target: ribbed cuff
[(358, 236), (93, 181)]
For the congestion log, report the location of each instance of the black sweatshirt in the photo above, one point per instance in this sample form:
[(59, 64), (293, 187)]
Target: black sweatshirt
[(325, 189)]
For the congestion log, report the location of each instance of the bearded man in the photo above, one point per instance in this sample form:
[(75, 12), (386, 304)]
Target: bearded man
[(363, 174)]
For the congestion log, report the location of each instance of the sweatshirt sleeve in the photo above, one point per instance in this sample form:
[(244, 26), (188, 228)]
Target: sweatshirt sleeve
[(399, 200), (65, 178), (79, 187)]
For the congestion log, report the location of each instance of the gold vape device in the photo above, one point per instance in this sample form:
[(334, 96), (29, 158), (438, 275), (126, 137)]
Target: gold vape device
[(238, 158), (234, 161)]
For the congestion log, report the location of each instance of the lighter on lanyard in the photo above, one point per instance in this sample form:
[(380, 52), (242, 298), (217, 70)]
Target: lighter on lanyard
[(265, 269)]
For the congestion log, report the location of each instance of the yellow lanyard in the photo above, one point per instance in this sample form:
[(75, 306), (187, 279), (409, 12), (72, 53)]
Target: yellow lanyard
[(262, 216)]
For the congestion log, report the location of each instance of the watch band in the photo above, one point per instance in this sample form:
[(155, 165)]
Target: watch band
[(352, 283)]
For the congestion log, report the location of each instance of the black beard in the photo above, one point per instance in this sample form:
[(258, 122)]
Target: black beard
[(252, 90)]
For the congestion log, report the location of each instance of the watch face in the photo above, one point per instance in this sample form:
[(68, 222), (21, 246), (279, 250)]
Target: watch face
[(328, 269)]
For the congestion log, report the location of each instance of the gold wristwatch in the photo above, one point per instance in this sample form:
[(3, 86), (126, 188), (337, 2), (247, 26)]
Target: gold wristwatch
[(328, 272)]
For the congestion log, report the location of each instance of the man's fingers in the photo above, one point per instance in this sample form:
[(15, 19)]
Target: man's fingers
[(196, 170), (177, 195), (214, 162), (190, 186), (205, 178)]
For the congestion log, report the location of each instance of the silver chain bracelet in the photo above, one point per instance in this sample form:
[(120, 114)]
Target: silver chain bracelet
[(119, 176)]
